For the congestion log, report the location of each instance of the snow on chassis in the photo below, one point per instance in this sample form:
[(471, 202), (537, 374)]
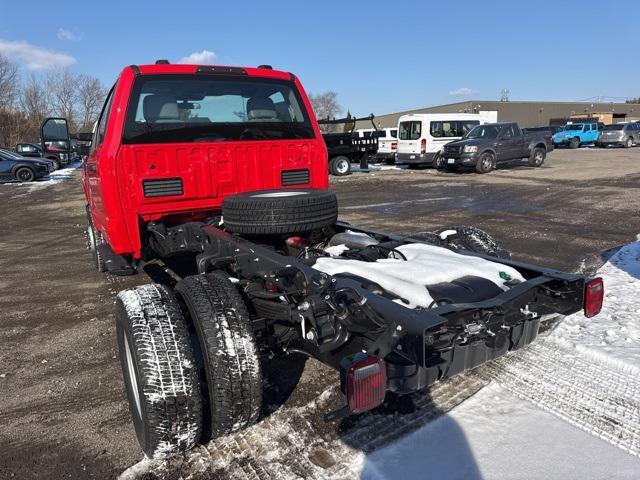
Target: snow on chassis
[(225, 168)]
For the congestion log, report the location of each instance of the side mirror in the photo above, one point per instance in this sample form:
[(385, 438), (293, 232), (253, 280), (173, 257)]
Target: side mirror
[(54, 134)]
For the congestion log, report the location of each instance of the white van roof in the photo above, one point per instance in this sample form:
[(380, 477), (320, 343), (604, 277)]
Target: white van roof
[(440, 116)]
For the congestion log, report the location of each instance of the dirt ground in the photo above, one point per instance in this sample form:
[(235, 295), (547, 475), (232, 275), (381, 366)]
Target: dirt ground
[(63, 412)]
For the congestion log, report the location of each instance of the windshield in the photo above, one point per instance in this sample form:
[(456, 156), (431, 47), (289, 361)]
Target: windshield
[(613, 127), (207, 108), (573, 127), (483, 131)]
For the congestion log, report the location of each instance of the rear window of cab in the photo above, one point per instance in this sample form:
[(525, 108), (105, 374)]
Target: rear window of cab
[(214, 108)]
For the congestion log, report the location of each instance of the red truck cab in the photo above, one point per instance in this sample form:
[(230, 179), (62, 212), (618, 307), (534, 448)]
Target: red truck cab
[(172, 141)]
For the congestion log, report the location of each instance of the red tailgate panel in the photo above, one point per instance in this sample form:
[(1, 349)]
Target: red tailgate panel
[(212, 171)]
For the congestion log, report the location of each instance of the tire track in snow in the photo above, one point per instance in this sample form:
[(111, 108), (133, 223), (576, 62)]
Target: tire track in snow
[(592, 394), (295, 443)]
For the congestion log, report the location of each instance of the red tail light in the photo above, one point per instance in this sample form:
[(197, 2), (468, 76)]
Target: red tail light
[(366, 384), (423, 146), (593, 297), (394, 146)]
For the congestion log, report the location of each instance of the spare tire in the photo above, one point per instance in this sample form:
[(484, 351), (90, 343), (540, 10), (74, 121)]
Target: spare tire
[(269, 212)]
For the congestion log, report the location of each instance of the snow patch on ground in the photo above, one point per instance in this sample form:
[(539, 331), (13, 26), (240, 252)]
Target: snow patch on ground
[(495, 434), (355, 167), (53, 178), (615, 332)]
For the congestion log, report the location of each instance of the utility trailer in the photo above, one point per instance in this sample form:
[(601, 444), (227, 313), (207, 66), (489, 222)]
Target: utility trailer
[(347, 147), (240, 196)]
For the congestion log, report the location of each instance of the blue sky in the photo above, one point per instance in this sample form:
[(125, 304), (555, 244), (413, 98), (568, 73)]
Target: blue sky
[(378, 56)]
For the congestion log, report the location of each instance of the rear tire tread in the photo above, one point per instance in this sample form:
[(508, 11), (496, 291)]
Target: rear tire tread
[(166, 371), (230, 354)]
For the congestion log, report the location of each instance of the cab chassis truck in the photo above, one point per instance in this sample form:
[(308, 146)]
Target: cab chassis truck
[(238, 189)]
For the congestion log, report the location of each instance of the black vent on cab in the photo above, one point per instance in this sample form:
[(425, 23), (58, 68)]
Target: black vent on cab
[(163, 187), (294, 177)]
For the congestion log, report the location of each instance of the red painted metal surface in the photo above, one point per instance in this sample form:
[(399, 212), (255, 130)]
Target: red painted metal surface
[(113, 175)]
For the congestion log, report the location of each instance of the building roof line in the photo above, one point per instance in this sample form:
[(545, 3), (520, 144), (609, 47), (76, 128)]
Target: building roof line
[(510, 101)]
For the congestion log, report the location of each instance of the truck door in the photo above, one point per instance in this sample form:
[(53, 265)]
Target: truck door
[(92, 164), (509, 143)]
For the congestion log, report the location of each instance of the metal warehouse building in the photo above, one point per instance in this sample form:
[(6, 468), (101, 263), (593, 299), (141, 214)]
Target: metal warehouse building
[(527, 114)]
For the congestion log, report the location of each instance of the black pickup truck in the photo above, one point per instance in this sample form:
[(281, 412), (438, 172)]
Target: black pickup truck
[(487, 145), (346, 147)]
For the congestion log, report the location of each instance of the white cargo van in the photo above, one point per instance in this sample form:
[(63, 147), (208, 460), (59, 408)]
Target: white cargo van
[(422, 136), (387, 142)]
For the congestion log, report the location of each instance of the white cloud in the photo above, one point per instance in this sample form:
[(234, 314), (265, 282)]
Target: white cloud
[(462, 92), (33, 57), (71, 36), (205, 57)]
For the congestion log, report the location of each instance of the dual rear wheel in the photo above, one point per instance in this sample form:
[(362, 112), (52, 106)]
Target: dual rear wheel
[(190, 362)]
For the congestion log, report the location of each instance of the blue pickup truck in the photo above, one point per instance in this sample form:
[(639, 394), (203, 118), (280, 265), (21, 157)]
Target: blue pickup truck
[(575, 134)]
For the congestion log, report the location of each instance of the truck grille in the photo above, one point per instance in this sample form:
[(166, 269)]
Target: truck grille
[(294, 177), (162, 188), (452, 148)]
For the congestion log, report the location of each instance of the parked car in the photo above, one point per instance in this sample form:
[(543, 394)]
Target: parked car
[(621, 134), (422, 136), (34, 150), (387, 143), (575, 134), (22, 169), (260, 278), (50, 163), (487, 145)]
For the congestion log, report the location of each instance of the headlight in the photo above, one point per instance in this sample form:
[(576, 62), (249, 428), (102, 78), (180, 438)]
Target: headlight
[(470, 149)]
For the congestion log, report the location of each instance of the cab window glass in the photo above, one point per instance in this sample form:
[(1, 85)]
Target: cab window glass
[(104, 118)]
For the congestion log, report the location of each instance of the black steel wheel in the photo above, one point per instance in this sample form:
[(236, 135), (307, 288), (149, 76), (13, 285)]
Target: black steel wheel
[(160, 371)]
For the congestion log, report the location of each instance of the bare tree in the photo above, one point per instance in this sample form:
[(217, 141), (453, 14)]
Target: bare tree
[(63, 86), (325, 105), (35, 104), (91, 94), (8, 83), (10, 121)]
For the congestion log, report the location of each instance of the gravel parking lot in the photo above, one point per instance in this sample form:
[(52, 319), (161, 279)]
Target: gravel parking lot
[(63, 410)]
